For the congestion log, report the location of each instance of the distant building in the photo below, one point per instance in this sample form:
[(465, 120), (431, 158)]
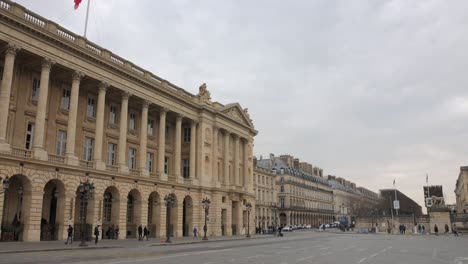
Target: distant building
[(461, 190), (407, 205), (266, 197)]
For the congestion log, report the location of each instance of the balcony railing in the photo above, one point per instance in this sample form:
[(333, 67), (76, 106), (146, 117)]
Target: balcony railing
[(134, 172), (87, 163), (22, 153), (112, 168), (56, 158)]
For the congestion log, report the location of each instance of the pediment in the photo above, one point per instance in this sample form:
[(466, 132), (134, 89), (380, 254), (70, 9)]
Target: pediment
[(235, 112)]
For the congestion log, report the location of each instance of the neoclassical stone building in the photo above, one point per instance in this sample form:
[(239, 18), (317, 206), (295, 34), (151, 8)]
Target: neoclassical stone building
[(304, 197), (71, 110), (461, 191), (266, 211)]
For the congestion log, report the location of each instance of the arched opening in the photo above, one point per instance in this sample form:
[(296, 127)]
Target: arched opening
[(110, 213), (52, 210), (16, 205), (282, 219), (154, 214), (187, 216), (133, 213), (172, 211)]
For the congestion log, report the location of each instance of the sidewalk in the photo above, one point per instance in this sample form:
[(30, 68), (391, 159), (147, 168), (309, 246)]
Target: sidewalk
[(21, 247)]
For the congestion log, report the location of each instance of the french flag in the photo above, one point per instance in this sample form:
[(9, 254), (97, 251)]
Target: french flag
[(77, 3)]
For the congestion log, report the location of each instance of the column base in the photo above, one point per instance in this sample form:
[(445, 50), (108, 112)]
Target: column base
[(144, 173), (72, 160), (100, 165), (5, 147), (41, 154), (124, 170)]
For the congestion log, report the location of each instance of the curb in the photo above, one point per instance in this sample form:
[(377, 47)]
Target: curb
[(57, 249), (206, 241)]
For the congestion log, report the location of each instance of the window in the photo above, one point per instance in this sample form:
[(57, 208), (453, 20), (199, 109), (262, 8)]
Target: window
[(187, 134), (223, 199), (36, 84), (132, 122), (130, 203), (61, 142), (107, 207), (149, 161), (166, 165), (111, 150), (186, 168), (65, 103), (91, 110), (150, 127), (167, 135), (282, 188), (88, 148), (1, 72), (29, 136), (132, 158), (113, 115)]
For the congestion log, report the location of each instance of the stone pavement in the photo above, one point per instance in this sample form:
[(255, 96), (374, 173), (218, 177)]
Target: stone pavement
[(18, 247)]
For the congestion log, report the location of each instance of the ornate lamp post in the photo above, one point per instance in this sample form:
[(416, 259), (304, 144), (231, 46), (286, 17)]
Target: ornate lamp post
[(86, 191), (169, 201), (248, 207), (275, 227), (206, 205)]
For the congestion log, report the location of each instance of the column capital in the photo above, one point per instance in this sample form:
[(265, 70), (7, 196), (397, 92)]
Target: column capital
[(47, 63), (194, 122), (126, 95), (146, 103), (163, 110), (179, 117), (77, 75), (103, 86), (12, 48)]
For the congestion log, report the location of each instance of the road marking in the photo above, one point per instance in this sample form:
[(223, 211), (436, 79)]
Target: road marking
[(383, 250), (325, 248), (302, 259), (373, 255), (170, 256), (362, 249), (327, 253), (255, 256), (362, 260)]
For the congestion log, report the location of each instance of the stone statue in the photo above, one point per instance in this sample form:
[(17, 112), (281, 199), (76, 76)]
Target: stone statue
[(437, 200), (246, 111), (204, 95)]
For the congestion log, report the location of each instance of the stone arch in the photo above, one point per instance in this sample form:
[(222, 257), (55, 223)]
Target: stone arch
[(283, 219), (110, 212), (16, 216), (53, 210), (133, 214), (187, 216), (154, 214)]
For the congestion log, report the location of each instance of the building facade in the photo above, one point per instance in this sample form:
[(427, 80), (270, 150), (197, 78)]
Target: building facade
[(461, 191), (304, 198), (266, 211), (72, 111)]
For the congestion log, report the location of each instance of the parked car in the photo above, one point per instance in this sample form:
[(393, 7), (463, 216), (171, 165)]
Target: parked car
[(287, 228)]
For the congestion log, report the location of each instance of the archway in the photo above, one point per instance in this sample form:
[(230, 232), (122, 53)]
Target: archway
[(282, 219), (133, 213), (154, 214), (52, 210), (16, 204), (110, 213), (187, 216)]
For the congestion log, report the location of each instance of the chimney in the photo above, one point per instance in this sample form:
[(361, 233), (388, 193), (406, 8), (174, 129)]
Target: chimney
[(255, 161)]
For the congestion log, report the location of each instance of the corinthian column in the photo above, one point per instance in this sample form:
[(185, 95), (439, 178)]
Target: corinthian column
[(123, 134), (177, 146), (100, 164), (226, 179), (246, 177), (193, 151), (72, 159), (214, 174), (38, 146), (5, 91), (162, 144), (236, 160), (144, 138)]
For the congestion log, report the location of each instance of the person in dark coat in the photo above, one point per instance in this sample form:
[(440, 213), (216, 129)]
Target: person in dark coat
[(117, 230), (96, 233), (446, 229), (140, 232), (195, 232), (70, 235), (436, 230), (145, 233)]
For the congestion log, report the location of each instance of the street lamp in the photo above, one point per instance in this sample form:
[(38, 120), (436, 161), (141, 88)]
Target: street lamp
[(414, 217), (248, 207), (275, 206), (86, 191), (169, 201), (206, 205)]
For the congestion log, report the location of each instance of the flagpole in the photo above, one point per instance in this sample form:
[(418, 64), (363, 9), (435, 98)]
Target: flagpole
[(396, 197), (86, 21)]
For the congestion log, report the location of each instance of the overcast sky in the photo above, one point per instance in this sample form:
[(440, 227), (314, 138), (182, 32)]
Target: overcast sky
[(367, 90)]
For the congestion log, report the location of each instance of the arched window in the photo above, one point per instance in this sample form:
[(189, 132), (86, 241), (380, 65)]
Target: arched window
[(130, 206), (107, 207)]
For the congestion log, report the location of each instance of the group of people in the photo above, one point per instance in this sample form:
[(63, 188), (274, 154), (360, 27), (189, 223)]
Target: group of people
[(112, 233), (402, 229), (142, 233)]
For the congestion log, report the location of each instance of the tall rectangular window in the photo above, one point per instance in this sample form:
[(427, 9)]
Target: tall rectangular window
[(113, 115), (111, 153), (36, 84), (1, 72), (150, 127), (61, 142), (166, 165), (91, 110), (149, 161), (88, 148), (29, 136), (65, 102), (132, 121), (167, 138), (132, 158), (187, 134), (186, 168)]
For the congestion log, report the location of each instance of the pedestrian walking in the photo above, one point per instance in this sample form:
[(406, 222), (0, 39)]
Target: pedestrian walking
[(145, 233), (436, 230), (195, 232), (446, 229), (455, 230), (117, 230), (419, 229), (140, 232), (423, 230), (70, 235), (404, 230), (96, 233)]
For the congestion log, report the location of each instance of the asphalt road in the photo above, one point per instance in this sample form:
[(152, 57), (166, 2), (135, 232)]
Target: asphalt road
[(297, 247)]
